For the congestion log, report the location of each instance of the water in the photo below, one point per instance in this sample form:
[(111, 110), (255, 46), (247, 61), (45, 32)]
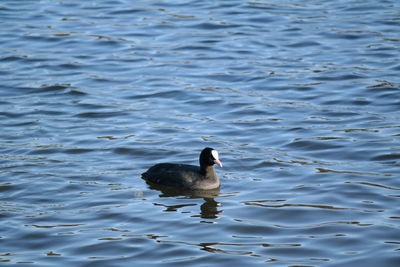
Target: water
[(301, 99)]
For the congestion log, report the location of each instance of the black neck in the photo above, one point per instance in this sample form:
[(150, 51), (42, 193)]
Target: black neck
[(208, 171)]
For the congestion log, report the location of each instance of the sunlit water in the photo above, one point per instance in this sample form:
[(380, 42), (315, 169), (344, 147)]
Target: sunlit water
[(301, 99)]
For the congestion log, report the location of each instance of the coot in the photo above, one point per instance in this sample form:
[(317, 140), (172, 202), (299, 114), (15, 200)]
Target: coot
[(185, 176)]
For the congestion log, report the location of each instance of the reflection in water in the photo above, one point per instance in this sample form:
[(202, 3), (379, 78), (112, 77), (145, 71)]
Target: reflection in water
[(208, 210)]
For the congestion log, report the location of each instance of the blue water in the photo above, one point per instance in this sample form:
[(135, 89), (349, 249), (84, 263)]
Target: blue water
[(300, 98)]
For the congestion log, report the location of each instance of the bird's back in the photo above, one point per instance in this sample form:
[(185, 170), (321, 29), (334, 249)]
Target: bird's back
[(175, 175)]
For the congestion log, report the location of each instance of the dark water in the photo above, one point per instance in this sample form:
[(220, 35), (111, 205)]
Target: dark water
[(301, 98)]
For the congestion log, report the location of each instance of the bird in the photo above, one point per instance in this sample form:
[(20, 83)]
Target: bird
[(184, 176)]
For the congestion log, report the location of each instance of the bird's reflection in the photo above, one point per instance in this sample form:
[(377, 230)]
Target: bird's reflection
[(208, 210)]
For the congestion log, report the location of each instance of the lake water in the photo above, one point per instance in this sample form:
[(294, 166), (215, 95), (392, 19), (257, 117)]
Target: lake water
[(301, 99)]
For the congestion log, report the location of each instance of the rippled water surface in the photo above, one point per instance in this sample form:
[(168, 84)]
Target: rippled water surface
[(301, 99)]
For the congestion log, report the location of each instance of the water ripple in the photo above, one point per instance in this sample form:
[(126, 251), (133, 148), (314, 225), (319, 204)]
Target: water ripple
[(300, 98)]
